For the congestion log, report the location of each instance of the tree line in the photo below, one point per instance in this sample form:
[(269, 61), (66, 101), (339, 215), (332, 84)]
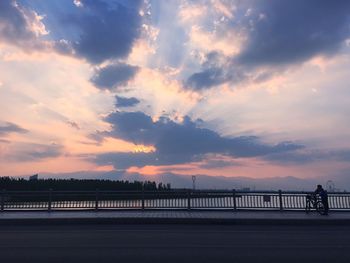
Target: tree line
[(21, 184)]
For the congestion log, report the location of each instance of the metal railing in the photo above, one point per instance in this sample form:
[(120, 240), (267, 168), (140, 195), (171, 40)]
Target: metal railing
[(172, 199)]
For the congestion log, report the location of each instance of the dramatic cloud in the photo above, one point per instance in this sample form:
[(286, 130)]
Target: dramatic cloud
[(125, 160), (13, 22), (212, 72), (126, 102), (294, 31), (114, 76), (216, 69), (107, 29), (277, 34), (206, 79), (20, 26), (9, 127), (179, 142)]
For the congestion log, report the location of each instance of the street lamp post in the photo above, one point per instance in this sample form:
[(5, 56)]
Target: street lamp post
[(193, 182)]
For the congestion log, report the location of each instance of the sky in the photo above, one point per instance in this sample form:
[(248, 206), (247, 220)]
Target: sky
[(255, 89)]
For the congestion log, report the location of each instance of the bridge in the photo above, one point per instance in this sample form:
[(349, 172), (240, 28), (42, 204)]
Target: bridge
[(169, 200), (171, 226), (174, 236)]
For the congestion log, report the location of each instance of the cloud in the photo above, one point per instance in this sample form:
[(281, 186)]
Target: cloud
[(283, 32), (178, 142), (114, 76), (20, 26), (96, 30), (274, 36), (126, 160), (206, 79), (217, 161), (9, 127), (107, 29), (28, 152), (218, 69), (73, 124), (310, 156), (13, 22), (214, 72), (126, 102)]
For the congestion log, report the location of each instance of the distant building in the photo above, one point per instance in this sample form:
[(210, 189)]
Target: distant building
[(34, 177)]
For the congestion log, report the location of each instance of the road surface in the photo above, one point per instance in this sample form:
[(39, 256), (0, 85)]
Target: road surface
[(174, 243)]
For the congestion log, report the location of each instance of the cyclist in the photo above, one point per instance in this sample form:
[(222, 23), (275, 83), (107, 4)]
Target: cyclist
[(324, 197)]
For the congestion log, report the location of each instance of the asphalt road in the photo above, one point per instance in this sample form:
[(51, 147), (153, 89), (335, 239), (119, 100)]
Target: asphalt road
[(174, 243)]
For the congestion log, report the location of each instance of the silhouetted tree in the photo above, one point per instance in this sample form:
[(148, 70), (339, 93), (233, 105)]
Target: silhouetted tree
[(19, 184)]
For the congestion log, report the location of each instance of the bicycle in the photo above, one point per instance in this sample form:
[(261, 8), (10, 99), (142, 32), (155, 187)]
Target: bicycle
[(313, 201)]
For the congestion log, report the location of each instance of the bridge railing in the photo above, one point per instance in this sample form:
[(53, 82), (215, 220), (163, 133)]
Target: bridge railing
[(171, 199)]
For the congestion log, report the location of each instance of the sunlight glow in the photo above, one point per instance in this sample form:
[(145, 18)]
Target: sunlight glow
[(143, 149)]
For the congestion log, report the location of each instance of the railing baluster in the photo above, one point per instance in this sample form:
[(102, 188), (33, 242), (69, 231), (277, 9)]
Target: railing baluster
[(2, 205), (334, 202), (341, 202), (96, 199), (50, 200), (280, 199), (298, 202), (234, 199), (189, 199)]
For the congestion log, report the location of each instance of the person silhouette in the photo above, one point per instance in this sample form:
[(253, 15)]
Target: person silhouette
[(324, 198)]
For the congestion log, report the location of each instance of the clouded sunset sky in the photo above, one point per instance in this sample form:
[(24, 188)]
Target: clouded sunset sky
[(235, 88)]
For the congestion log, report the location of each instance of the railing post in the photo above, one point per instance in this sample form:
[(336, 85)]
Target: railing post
[(96, 199), (49, 205), (280, 199), (234, 199), (143, 197), (189, 200), (2, 205)]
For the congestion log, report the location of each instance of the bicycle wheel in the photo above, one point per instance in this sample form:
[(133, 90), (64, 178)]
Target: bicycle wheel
[(307, 207), (320, 208), (309, 204)]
